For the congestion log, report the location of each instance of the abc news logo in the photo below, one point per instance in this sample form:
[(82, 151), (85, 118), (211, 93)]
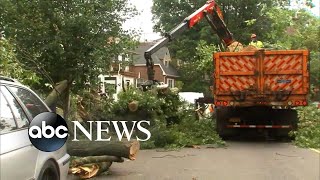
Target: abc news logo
[(49, 132)]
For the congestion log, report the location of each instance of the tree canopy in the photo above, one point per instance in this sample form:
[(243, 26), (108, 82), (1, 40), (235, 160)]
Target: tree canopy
[(66, 39)]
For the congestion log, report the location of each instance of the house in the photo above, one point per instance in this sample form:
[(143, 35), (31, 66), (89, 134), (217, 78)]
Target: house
[(164, 71), (130, 70)]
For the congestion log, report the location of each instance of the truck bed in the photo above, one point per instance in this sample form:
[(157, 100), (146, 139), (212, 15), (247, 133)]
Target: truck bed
[(265, 78)]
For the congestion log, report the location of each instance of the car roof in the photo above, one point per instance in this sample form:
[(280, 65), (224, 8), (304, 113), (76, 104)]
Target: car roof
[(10, 81), (7, 80)]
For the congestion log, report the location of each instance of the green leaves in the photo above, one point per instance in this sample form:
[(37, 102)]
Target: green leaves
[(308, 132), (10, 66), (172, 126), (67, 39)]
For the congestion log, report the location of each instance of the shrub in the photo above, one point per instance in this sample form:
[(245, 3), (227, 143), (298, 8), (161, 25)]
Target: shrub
[(172, 125), (308, 132)]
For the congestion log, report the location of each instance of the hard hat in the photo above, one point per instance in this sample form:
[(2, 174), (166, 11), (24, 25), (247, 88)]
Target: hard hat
[(253, 35)]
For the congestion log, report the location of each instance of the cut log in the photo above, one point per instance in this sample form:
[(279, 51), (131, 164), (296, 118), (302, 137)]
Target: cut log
[(52, 98), (95, 159), (126, 149), (133, 106)]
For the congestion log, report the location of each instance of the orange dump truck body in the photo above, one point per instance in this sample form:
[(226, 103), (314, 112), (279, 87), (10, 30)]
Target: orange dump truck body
[(261, 78)]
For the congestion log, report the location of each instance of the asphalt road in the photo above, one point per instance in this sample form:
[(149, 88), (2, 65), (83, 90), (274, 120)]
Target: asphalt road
[(255, 160)]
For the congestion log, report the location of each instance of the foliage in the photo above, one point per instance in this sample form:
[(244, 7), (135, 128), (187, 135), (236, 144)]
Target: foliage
[(11, 67), (297, 29), (193, 80), (202, 68), (205, 57), (167, 14), (67, 40), (308, 132), (171, 124), (191, 132), (294, 29)]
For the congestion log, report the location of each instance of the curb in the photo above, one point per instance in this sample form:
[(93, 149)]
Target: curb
[(315, 150)]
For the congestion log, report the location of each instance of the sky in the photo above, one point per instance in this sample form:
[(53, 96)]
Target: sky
[(144, 23)]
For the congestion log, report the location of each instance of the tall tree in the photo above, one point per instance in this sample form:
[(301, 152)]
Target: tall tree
[(73, 40)]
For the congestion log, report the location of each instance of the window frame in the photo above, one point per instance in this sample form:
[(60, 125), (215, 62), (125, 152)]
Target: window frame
[(172, 82), (13, 115), (11, 111), (25, 109), (29, 115)]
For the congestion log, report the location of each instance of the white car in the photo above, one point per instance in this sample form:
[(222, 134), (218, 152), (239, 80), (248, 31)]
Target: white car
[(19, 159)]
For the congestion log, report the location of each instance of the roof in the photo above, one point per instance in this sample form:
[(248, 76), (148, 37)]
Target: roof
[(138, 58)]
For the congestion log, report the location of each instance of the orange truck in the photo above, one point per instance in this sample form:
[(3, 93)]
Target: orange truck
[(258, 89), (252, 88)]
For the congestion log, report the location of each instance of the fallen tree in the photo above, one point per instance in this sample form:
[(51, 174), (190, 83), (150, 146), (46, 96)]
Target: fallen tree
[(94, 158), (125, 149), (53, 97)]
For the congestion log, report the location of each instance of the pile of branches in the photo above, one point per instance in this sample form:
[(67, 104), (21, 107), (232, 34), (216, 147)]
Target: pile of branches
[(91, 158), (173, 124)]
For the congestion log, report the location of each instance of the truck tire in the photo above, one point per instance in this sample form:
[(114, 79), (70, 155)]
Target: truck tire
[(286, 117), (222, 116), (49, 171)]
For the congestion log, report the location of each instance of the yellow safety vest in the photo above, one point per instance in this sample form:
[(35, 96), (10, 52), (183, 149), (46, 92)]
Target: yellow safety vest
[(257, 44)]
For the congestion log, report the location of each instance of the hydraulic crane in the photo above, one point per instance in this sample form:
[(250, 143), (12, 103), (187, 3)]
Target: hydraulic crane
[(211, 12)]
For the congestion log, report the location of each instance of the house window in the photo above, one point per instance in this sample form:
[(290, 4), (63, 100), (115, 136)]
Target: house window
[(170, 83), (139, 82), (110, 85)]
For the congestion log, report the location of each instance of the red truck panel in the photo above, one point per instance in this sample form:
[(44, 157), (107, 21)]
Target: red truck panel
[(261, 78)]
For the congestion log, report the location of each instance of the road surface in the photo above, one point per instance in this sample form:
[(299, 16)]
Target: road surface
[(264, 160)]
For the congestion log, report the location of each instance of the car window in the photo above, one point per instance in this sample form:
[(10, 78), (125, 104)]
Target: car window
[(33, 104), (19, 114), (7, 122)]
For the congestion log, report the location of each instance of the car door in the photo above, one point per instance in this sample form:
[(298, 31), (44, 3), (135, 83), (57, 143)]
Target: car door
[(18, 156)]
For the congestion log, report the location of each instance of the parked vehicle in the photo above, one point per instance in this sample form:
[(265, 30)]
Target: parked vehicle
[(258, 89), (18, 157)]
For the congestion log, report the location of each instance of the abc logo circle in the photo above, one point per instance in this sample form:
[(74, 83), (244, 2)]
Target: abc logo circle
[(48, 131)]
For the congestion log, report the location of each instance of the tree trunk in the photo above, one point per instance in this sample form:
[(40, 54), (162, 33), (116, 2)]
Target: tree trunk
[(53, 97), (95, 159), (126, 149)]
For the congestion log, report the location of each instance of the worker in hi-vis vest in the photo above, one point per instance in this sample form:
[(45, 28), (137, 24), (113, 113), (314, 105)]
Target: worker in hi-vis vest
[(254, 42)]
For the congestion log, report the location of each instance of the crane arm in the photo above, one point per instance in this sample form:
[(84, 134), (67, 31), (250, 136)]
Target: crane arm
[(213, 15)]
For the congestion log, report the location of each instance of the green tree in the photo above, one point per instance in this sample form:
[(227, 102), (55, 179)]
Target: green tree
[(73, 40), (297, 29)]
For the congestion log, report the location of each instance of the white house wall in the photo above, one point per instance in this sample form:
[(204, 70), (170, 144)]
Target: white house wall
[(118, 83)]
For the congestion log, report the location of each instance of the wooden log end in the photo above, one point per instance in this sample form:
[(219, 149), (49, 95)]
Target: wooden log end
[(134, 148)]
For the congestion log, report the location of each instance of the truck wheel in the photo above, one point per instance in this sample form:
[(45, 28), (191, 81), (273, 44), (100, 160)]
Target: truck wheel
[(285, 117), (222, 116), (49, 171)]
